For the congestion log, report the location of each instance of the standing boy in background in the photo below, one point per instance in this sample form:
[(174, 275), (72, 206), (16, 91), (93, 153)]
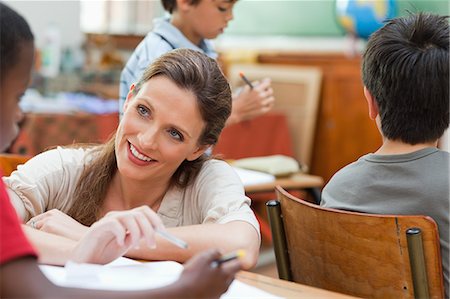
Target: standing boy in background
[(191, 24), (406, 83)]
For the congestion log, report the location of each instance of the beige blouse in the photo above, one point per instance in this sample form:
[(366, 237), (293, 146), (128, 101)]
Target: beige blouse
[(48, 181)]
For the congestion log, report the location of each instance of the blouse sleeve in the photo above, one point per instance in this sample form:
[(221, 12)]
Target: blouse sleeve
[(220, 195), (47, 181)]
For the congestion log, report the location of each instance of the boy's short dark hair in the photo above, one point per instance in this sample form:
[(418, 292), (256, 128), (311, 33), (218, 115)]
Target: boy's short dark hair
[(171, 5), (406, 69)]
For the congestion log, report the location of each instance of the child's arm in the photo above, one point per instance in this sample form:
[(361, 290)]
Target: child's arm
[(22, 278)]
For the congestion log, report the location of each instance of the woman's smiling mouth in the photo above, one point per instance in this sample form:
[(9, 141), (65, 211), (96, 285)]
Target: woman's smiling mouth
[(138, 155)]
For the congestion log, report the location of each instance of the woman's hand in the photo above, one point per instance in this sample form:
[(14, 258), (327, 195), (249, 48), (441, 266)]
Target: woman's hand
[(250, 103), (58, 223), (200, 280), (112, 236)]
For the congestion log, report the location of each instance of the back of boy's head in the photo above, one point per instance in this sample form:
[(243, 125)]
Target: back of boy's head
[(171, 5), (14, 30), (406, 69)]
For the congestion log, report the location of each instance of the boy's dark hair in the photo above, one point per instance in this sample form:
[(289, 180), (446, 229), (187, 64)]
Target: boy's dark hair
[(14, 30), (406, 69), (171, 5)]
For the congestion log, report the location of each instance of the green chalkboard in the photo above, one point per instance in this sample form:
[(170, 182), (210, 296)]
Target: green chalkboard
[(305, 17)]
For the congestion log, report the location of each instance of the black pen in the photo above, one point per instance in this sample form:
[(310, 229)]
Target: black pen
[(228, 257), (246, 80)]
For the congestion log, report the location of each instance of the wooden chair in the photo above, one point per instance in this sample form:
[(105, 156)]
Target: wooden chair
[(9, 162), (366, 255)]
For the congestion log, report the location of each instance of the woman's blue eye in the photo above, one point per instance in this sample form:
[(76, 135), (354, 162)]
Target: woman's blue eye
[(142, 110), (175, 134)]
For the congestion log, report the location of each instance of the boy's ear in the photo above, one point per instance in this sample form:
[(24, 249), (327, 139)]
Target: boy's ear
[(198, 152), (371, 103), (129, 97), (183, 5)]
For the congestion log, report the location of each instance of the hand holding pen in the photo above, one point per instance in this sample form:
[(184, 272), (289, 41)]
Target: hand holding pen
[(198, 270), (254, 100), (241, 74), (238, 254)]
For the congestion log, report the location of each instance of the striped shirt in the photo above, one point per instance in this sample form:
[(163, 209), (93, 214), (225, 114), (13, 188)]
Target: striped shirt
[(163, 38)]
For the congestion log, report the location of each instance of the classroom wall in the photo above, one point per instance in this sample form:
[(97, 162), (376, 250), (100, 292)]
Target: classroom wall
[(305, 17), (63, 14)]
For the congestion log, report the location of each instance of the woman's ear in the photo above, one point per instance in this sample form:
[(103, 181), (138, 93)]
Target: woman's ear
[(198, 152), (371, 103), (129, 97)]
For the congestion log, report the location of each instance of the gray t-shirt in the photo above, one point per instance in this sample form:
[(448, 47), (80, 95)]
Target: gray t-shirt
[(409, 184)]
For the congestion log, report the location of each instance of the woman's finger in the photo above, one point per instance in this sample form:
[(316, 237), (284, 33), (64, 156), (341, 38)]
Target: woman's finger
[(153, 218), (132, 228), (147, 230)]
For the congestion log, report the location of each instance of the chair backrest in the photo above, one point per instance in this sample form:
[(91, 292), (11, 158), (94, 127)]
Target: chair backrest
[(366, 255), (9, 162), (297, 91)]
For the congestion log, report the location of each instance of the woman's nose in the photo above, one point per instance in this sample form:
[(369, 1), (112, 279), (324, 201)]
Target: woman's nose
[(149, 139)]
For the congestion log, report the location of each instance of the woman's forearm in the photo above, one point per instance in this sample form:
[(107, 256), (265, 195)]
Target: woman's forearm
[(225, 237), (52, 249)]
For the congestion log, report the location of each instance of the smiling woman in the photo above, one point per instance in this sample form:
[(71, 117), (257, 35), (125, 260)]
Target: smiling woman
[(172, 115)]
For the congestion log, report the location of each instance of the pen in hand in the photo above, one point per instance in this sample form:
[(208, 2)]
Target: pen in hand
[(228, 257), (246, 80)]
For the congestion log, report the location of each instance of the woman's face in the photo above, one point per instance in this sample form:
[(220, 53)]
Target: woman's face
[(13, 85), (160, 128)]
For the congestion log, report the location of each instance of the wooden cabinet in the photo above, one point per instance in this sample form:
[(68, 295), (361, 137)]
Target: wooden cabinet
[(344, 131)]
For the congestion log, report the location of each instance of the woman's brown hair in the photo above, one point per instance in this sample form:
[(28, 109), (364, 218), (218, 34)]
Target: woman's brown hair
[(190, 70)]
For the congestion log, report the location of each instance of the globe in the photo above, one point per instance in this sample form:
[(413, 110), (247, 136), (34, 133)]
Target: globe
[(363, 17)]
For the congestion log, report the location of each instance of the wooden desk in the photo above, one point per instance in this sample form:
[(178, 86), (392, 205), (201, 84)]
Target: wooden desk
[(298, 181), (285, 288)]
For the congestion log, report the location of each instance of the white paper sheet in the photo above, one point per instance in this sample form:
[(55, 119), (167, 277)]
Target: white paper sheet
[(122, 274), (252, 177), (127, 274)]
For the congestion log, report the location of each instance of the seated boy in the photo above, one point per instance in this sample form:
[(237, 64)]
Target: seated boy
[(406, 83)]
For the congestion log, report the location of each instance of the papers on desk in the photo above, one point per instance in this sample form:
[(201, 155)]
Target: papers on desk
[(126, 274), (253, 177), (122, 274)]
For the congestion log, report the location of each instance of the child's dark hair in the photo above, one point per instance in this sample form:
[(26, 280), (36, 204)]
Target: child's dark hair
[(171, 5), (14, 30), (406, 69)]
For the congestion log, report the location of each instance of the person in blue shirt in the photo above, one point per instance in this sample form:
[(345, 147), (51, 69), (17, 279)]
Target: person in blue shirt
[(191, 25)]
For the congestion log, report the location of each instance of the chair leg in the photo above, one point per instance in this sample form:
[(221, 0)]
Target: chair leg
[(417, 261), (279, 239)]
